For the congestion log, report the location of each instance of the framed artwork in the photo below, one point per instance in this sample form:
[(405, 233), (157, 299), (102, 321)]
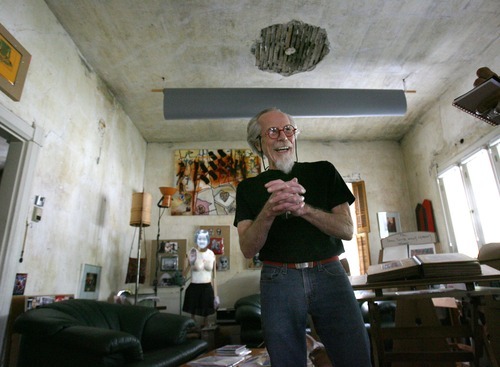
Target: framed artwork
[(388, 223), (90, 280), (14, 62), (223, 263), (169, 263), (20, 284), (206, 179), (217, 245)]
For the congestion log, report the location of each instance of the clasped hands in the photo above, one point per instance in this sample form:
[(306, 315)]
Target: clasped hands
[(286, 198)]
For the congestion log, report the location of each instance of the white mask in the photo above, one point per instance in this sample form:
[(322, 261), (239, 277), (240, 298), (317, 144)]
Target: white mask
[(202, 239)]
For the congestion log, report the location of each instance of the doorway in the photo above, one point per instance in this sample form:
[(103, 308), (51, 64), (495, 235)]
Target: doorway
[(24, 143)]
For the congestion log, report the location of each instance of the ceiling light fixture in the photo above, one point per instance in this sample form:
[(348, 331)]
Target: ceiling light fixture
[(290, 48), (225, 103)]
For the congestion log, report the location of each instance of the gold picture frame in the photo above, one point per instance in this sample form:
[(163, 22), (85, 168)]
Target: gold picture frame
[(14, 63)]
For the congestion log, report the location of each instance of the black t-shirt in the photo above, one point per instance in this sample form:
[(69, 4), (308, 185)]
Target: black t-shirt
[(294, 239)]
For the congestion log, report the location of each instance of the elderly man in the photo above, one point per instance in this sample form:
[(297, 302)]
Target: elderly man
[(295, 216)]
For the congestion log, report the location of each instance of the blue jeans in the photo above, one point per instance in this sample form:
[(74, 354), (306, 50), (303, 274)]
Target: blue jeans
[(324, 292)]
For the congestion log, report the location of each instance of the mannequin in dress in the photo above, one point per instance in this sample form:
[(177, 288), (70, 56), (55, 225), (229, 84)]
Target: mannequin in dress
[(201, 294)]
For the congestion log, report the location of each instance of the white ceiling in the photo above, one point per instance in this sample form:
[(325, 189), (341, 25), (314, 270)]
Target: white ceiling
[(140, 45)]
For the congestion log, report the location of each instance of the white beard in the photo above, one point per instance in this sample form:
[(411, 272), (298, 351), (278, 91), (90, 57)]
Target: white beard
[(285, 164)]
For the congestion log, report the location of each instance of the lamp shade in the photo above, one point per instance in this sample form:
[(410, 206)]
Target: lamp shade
[(140, 214), (167, 193)]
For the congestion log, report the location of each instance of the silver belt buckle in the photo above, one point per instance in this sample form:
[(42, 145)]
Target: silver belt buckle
[(304, 265)]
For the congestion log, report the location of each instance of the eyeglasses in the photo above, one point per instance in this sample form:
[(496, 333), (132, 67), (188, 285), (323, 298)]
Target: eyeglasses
[(274, 132)]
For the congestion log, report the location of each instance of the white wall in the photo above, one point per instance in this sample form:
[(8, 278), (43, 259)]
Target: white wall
[(91, 161)]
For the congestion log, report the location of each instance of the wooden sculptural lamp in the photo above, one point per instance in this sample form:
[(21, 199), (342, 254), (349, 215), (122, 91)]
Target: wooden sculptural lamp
[(166, 199)]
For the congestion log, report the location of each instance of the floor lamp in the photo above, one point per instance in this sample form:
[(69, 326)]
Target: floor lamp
[(164, 203), (140, 216)]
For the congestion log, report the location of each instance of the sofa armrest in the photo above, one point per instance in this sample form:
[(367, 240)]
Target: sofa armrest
[(247, 313), (98, 341), (43, 322), (165, 329)]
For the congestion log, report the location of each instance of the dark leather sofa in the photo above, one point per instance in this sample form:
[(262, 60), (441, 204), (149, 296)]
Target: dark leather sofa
[(87, 333)]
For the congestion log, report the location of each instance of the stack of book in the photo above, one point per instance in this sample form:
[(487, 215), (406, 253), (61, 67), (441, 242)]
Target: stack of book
[(448, 265), (233, 350), (424, 266)]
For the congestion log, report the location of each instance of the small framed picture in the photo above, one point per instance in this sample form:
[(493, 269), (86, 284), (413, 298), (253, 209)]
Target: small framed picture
[(217, 245), (20, 284), (388, 223), (223, 263), (169, 247), (169, 263), (14, 62), (90, 280)]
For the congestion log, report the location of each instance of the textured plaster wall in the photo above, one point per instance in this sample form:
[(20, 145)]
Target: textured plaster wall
[(379, 164), (91, 161)]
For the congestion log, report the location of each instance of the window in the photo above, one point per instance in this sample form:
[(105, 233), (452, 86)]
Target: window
[(357, 250), (470, 192)]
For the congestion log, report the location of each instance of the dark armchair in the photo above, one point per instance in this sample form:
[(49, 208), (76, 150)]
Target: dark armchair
[(247, 314), (90, 333)]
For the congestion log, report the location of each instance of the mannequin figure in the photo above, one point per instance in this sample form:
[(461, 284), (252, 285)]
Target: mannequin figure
[(201, 294)]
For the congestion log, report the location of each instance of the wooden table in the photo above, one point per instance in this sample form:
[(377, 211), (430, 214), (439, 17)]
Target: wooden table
[(419, 335)]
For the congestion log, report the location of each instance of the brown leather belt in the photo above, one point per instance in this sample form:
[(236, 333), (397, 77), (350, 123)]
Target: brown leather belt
[(310, 264)]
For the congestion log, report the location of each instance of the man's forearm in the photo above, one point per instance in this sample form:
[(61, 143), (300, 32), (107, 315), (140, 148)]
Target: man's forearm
[(337, 223), (253, 234)]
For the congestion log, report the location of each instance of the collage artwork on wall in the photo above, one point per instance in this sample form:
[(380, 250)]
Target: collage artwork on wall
[(206, 180)]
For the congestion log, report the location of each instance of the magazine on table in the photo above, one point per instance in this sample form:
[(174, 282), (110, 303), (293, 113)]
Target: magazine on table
[(233, 350), (258, 360), (217, 361)]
